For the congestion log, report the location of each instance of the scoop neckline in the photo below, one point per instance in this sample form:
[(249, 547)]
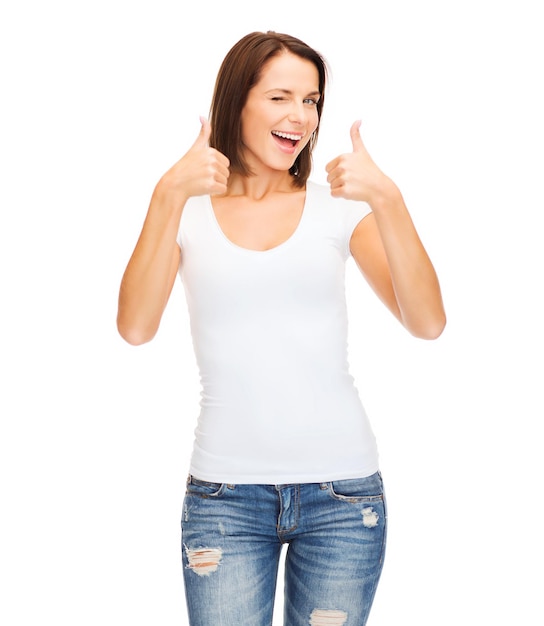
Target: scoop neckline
[(281, 245)]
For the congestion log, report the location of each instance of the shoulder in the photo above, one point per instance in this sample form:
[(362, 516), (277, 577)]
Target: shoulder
[(319, 198), (317, 189), (336, 218), (318, 195), (195, 209), (196, 203), (194, 217)]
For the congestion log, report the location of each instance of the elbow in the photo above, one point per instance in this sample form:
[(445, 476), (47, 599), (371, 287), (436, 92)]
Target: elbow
[(133, 334), (431, 330), (134, 339)]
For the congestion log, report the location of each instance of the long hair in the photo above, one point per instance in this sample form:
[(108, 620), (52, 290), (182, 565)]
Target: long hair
[(240, 71)]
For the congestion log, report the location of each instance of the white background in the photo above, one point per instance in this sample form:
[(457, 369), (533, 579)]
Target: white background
[(98, 100)]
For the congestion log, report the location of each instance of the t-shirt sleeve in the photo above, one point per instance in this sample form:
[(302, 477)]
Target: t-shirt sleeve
[(344, 214), (195, 204), (354, 212), (179, 237)]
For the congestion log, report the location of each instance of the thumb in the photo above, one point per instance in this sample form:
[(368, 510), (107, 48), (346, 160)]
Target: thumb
[(204, 134), (356, 140)]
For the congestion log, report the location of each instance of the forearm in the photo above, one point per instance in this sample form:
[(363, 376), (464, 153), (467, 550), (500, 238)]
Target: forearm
[(148, 278), (151, 271), (414, 280)]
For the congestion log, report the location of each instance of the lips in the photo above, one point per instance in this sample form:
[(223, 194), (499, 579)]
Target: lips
[(287, 141)]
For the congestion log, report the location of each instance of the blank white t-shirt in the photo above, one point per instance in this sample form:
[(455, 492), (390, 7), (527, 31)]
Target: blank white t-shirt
[(269, 329)]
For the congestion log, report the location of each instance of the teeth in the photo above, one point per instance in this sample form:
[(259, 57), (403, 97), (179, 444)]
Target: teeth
[(287, 135)]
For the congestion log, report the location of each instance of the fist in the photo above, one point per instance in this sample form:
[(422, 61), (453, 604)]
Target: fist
[(201, 171), (354, 175)]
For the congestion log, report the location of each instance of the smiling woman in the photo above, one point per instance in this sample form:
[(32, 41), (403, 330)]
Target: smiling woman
[(240, 72), (280, 112), (283, 452)]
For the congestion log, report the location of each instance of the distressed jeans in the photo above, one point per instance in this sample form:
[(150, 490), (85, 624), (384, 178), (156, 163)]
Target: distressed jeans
[(232, 537)]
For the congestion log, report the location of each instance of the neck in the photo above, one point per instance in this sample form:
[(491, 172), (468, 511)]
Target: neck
[(260, 186)]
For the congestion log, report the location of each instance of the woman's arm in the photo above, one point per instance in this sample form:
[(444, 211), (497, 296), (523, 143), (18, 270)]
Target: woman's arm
[(386, 245), (151, 270)]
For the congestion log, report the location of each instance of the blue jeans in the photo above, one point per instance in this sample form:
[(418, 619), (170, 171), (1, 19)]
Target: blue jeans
[(232, 536)]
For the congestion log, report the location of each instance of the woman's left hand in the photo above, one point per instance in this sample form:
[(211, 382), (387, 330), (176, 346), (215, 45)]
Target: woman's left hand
[(385, 245), (355, 176)]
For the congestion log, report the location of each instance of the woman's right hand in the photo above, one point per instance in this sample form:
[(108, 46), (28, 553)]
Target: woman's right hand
[(201, 171), (151, 271)]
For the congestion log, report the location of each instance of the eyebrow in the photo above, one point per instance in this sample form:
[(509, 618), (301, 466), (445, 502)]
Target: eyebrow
[(290, 93)]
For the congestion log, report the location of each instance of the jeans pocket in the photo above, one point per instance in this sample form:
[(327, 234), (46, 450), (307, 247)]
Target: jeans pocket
[(367, 489), (203, 488)]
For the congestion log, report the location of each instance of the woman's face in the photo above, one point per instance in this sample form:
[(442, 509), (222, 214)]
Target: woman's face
[(280, 113)]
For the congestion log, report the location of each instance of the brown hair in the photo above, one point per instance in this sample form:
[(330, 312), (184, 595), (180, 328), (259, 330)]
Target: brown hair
[(240, 71)]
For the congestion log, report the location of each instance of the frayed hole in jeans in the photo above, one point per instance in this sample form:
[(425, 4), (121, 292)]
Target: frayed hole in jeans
[(204, 561), (324, 617)]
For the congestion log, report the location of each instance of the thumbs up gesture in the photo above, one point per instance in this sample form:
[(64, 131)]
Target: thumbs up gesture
[(201, 171), (354, 175)]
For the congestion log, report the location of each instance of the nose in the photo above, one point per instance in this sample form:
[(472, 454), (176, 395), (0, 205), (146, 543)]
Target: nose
[(297, 113)]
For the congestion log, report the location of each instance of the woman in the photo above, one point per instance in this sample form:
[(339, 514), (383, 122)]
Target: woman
[(283, 449)]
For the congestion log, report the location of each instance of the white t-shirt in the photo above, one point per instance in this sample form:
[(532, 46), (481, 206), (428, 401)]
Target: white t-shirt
[(269, 329)]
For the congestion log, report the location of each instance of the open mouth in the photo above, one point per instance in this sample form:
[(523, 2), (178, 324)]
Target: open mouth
[(287, 140)]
